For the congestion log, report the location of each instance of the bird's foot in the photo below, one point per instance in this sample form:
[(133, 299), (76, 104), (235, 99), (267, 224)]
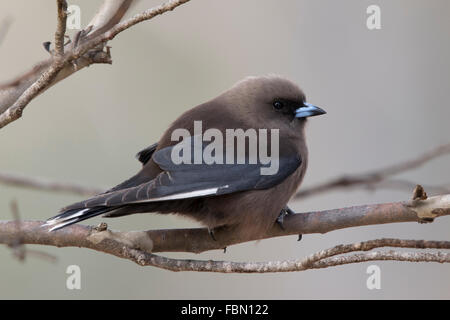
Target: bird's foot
[(280, 220), (283, 213)]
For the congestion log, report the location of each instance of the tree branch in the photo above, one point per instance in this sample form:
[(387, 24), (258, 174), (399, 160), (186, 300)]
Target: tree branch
[(199, 240), (323, 259), (86, 49), (16, 243), (47, 185), (108, 15), (15, 111), (136, 246), (60, 28), (140, 246), (371, 179)]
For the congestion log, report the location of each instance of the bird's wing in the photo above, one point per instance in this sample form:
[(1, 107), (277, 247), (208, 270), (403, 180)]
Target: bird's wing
[(181, 181), (144, 155)]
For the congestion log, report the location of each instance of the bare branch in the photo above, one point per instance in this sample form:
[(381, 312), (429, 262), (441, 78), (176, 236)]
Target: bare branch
[(440, 257), (108, 15), (88, 48), (60, 28), (198, 240), (16, 243), (15, 111), (47, 185), (140, 246), (122, 26), (323, 259), (371, 179), (121, 246)]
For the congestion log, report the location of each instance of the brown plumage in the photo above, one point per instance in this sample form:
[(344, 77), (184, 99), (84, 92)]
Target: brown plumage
[(242, 201)]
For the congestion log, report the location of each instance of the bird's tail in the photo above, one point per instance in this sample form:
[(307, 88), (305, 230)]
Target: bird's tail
[(72, 216)]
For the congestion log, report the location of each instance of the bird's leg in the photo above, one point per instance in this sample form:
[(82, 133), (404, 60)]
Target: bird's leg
[(280, 220)]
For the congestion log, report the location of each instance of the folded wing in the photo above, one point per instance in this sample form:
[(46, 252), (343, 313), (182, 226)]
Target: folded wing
[(182, 181)]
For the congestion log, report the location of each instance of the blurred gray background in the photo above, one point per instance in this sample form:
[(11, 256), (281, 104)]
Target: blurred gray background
[(386, 92)]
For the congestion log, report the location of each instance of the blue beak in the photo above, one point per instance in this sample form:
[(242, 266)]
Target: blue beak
[(308, 110)]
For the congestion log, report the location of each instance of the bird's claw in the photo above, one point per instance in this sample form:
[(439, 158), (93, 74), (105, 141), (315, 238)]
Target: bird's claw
[(283, 213), (280, 220)]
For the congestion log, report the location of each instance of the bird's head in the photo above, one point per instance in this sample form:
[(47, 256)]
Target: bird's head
[(271, 99)]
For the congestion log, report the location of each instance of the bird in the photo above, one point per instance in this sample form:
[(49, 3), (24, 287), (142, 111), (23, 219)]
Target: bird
[(234, 194)]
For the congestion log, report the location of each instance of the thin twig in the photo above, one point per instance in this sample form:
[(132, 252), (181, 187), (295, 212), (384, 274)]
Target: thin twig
[(326, 258), (17, 243), (372, 178), (47, 185), (15, 111), (108, 15), (60, 28)]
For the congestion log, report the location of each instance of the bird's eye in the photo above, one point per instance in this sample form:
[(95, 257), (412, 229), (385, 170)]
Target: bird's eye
[(278, 105)]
